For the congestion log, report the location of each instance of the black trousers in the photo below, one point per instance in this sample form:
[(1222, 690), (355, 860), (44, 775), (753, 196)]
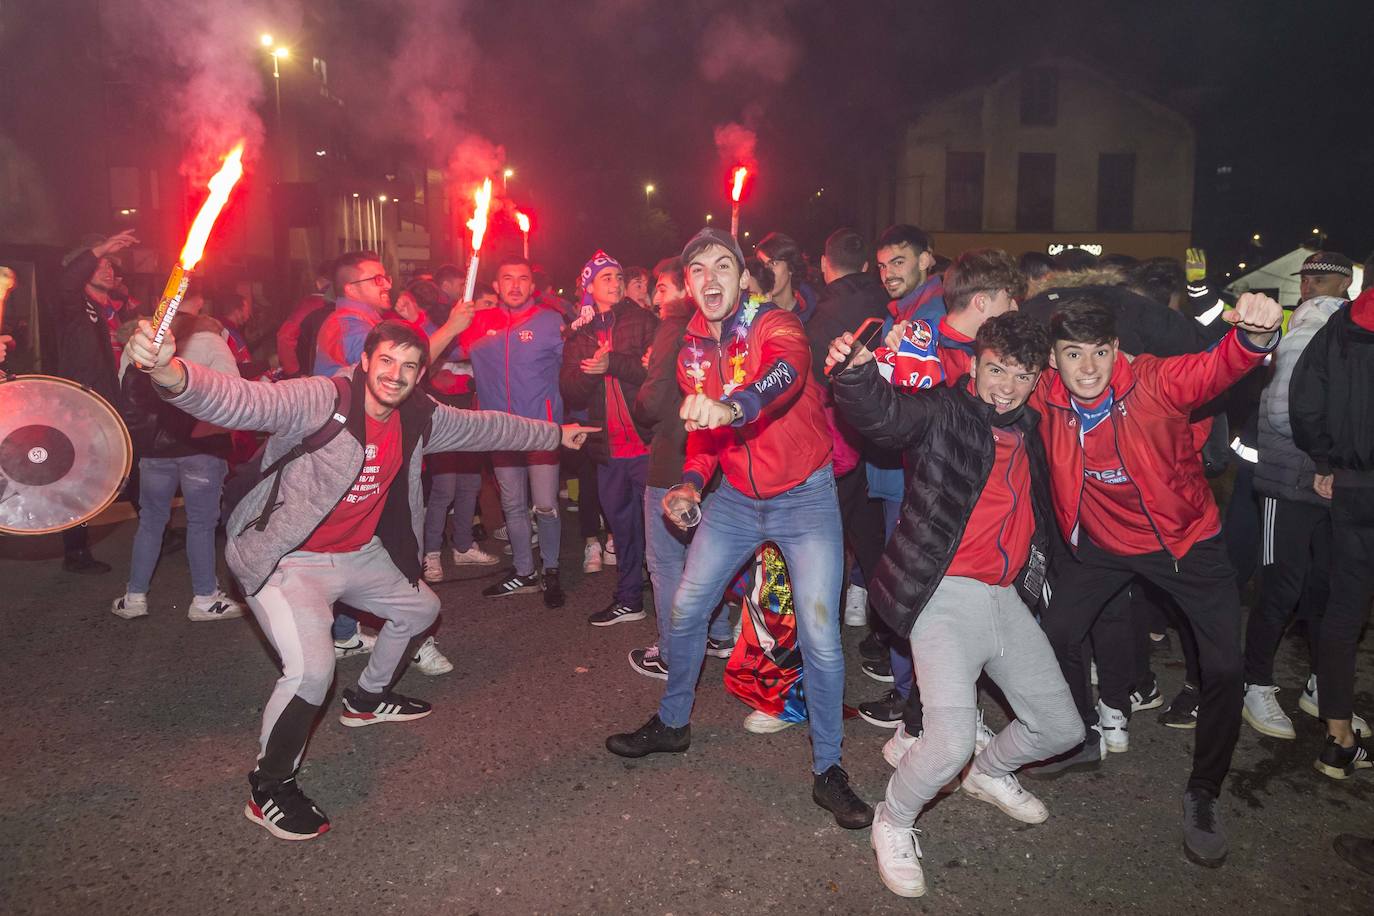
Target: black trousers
[(862, 519), (1295, 557), (1152, 611), (1241, 526), (1352, 587), (1113, 648), (1204, 585)]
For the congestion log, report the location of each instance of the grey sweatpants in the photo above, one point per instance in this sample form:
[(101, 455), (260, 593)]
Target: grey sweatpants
[(966, 628), (294, 610)]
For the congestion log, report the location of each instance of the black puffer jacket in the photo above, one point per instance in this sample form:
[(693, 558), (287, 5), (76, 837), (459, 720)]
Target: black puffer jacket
[(946, 434)]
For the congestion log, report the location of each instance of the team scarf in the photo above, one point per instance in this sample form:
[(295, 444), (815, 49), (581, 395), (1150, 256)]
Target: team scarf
[(1090, 417)]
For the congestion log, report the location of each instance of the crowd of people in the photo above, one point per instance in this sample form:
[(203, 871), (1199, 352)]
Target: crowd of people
[(993, 465)]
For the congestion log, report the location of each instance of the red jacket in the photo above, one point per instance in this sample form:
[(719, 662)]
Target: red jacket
[(782, 439), (1153, 399)]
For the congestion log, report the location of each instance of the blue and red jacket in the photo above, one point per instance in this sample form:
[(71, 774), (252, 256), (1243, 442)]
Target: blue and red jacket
[(339, 345), (515, 359), (762, 362)]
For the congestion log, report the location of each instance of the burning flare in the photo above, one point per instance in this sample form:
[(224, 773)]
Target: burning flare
[(220, 186), (478, 223), (523, 221), (741, 173)]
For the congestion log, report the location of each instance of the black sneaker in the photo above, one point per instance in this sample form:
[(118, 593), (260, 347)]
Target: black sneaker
[(1147, 696), (362, 708), (719, 648), (479, 532), (514, 584), (1342, 762), (1087, 756), (614, 613), (282, 809), (653, 737), (878, 669), (553, 589), (1182, 712), (649, 663), (872, 648), (885, 712), (81, 561), (1204, 843), (831, 791)]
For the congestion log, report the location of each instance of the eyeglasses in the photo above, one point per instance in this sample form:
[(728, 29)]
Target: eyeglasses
[(378, 279)]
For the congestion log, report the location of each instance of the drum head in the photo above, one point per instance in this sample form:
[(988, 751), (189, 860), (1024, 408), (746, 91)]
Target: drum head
[(64, 454)]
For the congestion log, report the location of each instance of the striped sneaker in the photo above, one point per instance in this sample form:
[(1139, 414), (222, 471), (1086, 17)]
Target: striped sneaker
[(283, 810), (362, 708)]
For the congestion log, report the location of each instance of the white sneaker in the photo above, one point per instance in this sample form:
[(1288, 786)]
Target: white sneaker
[(130, 606), (1265, 715), (608, 552), (358, 644), (855, 606), (434, 567), (1115, 728), (474, 556), (982, 735), (218, 606), (1006, 793), (1308, 704), (592, 557), (896, 747), (899, 855), (761, 723), (430, 660)]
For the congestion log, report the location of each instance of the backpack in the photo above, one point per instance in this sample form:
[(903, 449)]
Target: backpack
[(249, 474)]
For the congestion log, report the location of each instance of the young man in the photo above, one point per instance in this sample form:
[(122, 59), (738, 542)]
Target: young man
[(753, 410), (958, 578), (345, 527), (603, 367), (905, 259), (1132, 500), (516, 350), (1330, 408)]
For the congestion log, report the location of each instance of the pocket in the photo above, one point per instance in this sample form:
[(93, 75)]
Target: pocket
[(304, 560)]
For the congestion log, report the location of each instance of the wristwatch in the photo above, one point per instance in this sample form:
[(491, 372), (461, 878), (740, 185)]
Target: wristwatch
[(736, 411)]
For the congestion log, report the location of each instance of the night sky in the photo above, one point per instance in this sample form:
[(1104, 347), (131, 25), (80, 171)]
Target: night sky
[(591, 100)]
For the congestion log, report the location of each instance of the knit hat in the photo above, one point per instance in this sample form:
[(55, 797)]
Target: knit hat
[(708, 237), (599, 262)]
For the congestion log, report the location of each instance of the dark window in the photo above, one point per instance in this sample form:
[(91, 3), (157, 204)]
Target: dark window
[(1115, 191), (1040, 96), (964, 192), (1035, 192)]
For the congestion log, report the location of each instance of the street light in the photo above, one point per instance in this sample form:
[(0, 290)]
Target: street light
[(709, 217), (266, 40), (648, 192), (506, 176)]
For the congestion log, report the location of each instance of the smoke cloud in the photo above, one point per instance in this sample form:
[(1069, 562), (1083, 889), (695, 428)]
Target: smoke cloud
[(736, 144), (206, 65), (753, 43)]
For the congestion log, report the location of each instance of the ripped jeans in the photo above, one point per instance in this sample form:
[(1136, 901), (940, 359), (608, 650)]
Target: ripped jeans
[(805, 524), (518, 474), (201, 478)]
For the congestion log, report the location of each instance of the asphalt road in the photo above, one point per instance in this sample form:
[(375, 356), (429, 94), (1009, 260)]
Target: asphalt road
[(126, 745)]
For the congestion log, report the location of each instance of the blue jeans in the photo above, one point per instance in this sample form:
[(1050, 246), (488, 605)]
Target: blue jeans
[(665, 550), (621, 484), (201, 478), (459, 491), (805, 524), (518, 474)]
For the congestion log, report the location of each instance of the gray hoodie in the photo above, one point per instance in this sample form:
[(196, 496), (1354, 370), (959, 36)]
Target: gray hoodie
[(313, 484)]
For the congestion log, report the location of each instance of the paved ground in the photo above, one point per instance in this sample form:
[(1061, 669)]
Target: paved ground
[(126, 745)]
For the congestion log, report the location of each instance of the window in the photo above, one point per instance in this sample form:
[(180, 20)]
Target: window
[(1035, 192), (1115, 191), (1040, 96), (963, 192)]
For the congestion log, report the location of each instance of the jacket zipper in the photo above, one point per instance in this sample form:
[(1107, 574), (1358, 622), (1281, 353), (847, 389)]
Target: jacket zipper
[(1140, 497), (1006, 478), (739, 437)]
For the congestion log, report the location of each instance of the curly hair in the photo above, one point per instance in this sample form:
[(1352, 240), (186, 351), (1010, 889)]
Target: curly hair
[(1015, 337)]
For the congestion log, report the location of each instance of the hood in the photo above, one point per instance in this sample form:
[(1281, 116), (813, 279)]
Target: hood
[(1314, 312), (1096, 276)]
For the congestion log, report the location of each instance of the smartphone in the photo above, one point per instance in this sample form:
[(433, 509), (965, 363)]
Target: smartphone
[(863, 337)]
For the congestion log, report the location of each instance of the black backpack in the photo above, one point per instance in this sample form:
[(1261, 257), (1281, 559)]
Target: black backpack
[(249, 474)]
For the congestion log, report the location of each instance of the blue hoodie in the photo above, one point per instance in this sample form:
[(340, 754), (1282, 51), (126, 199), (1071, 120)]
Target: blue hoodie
[(516, 358)]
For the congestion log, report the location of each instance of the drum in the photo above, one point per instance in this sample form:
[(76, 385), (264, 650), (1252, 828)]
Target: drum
[(65, 454)]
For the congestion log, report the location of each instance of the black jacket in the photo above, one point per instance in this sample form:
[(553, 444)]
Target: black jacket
[(632, 331), (656, 406), (843, 306), (1331, 400), (84, 354), (1143, 325), (947, 437)]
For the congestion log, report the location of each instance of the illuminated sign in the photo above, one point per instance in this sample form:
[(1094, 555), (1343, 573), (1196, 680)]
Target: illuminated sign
[(1092, 248)]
